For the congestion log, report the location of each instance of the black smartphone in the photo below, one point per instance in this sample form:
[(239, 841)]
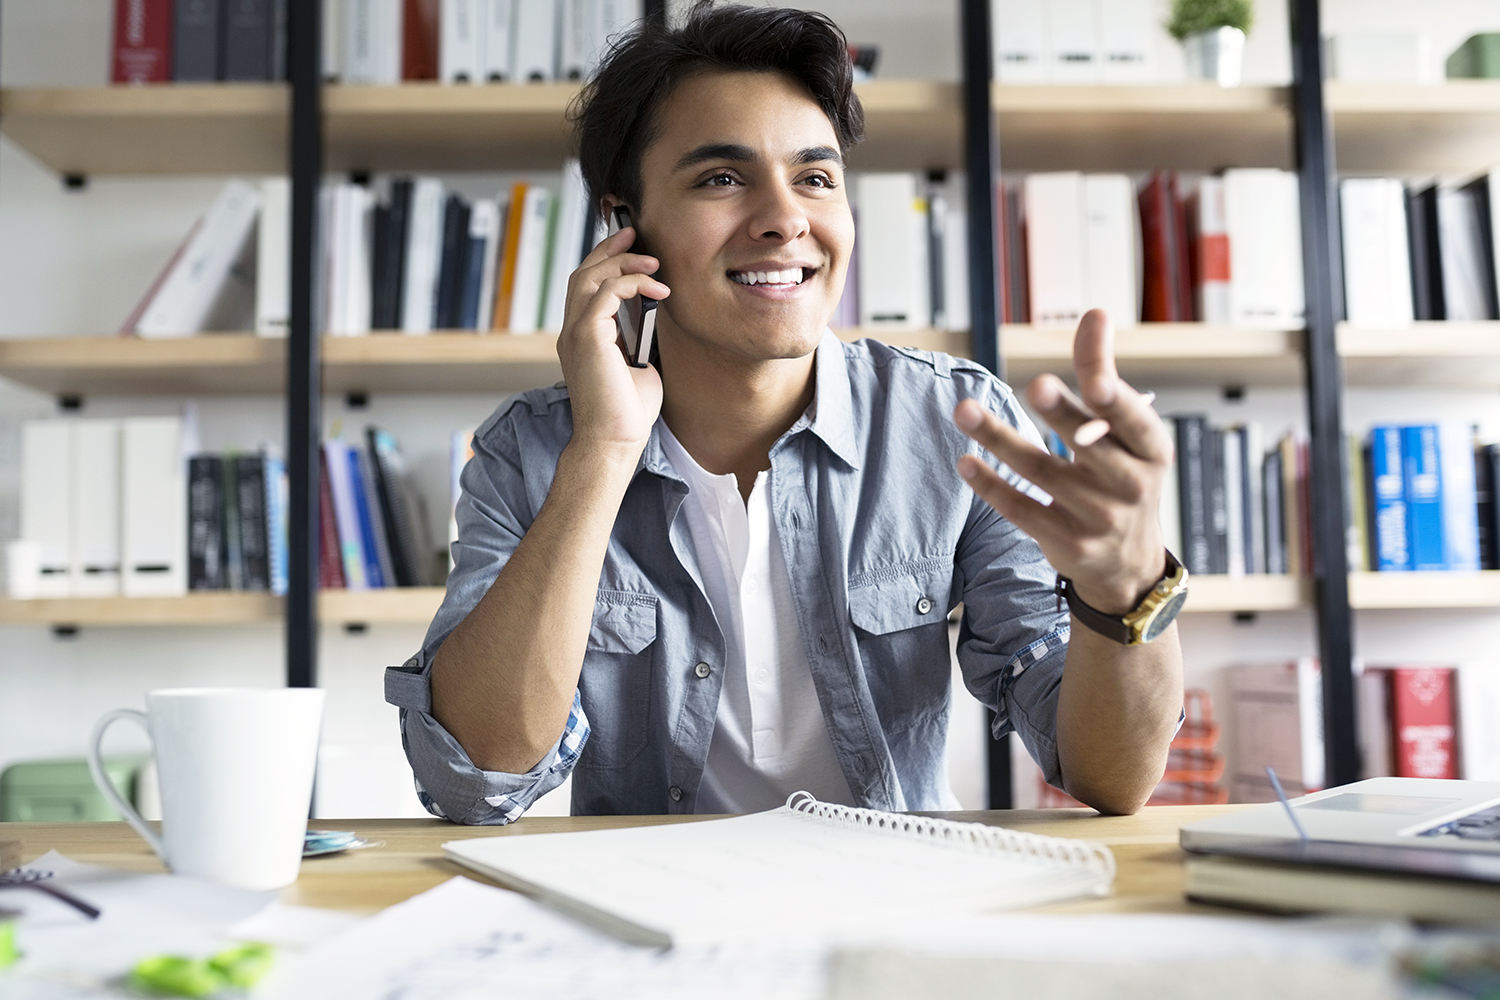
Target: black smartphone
[(636, 317)]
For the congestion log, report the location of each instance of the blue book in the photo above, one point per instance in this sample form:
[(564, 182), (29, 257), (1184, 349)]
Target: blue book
[(1424, 496), (1460, 498), (1392, 532), (276, 521), (373, 575), (473, 282)]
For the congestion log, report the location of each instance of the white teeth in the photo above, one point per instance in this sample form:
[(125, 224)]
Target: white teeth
[(792, 276)]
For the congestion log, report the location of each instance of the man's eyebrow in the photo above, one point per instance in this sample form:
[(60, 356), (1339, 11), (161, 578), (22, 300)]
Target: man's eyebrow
[(737, 153)]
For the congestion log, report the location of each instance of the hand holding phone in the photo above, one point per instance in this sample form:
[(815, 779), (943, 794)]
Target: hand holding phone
[(636, 318)]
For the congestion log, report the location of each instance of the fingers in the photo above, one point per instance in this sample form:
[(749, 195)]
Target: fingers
[(1128, 413), (1055, 475), (1043, 523)]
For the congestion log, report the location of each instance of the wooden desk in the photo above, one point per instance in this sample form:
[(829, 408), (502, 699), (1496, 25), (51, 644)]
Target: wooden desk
[(1149, 879)]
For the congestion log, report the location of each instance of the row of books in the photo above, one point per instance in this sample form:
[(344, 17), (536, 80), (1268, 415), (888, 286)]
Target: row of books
[(368, 41), (1227, 252), (1417, 721), (236, 522), (1422, 498), (372, 520), (1075, 41), (1420, 253), (1231, 506)]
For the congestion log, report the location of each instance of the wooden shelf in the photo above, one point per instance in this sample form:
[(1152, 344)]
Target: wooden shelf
[(1165, 354), (1187, 126), (121, 366), (405, 605), (1453, 127), (1427, 353), (1424, 590), (1248, 593), (241, 128)]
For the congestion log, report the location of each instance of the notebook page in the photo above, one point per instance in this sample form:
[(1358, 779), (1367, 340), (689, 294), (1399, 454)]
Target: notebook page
[(771, 875)]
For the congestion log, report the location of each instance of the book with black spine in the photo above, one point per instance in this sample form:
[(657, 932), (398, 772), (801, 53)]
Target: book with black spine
[(249, 33), (1274, 509), (1218, 499), (1482, 204), (206, 557), (390, 275), (197, 44), (234, 549), (453, 263), (1484, 503), (255, 548), (380, 262), (1426, 261), (402, 507), (1193, 497)]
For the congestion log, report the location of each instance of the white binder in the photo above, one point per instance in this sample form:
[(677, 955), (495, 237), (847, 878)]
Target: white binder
[(96, 508), (46, 501), (499, 18), (423, 250), (460, 49), (153, 508), (892, 236), (535, 58)]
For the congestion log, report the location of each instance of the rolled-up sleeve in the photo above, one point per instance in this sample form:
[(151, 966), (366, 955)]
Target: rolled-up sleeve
[(1014, 638), (495, 509)]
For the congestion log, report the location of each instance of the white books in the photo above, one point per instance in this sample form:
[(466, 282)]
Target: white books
[(96, 508), (496, 46), (372, 41), (1169, 509), (1214, 253), (1112, 265), (47, 496), (531, 259), (1464, 256), (535, 41), (805, 871), (200, 275), (1372, 704), (346, 514), (1261, 211), (484, 226), (950, 200), (153, 507), (1234, 503), (892, 251), (1478, 721), (1377, 262), (348, 282), (1073, 41), (1489, 182), (1310, 721), (273, 266), (333, 39), (1458, 498), (577, 37), (611, 18), (1127, 40), (1055, 229), (423, 256), (1019, 29), (460, 47), (1381, 57), (567, 244)]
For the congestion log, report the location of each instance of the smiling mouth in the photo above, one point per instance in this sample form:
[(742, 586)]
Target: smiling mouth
[(789, 278)]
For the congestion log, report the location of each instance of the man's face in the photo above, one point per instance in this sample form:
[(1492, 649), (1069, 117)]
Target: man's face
[(743, 202)]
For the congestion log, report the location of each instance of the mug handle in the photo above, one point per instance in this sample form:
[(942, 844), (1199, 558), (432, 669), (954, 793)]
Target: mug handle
[(107, 787)]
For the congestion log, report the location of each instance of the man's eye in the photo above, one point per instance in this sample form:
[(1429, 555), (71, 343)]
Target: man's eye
[(819, 180), (720, 180)]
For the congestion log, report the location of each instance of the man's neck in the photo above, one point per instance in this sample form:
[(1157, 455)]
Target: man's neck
[(727, 410)]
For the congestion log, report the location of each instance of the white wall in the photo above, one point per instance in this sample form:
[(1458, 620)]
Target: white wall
[(74, 263)]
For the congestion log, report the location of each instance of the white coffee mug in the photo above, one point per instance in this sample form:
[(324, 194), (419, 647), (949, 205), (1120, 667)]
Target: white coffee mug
[(236, 773)]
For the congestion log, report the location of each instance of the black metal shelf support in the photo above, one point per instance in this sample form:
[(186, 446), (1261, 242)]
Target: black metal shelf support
[(1322, 276), (304, 364)]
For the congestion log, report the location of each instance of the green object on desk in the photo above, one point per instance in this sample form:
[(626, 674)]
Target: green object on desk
[(1477, 58), (174, 976), (61, 791), (8, 951)]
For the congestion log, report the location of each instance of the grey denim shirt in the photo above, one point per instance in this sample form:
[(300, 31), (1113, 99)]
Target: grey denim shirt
[(882, 540)]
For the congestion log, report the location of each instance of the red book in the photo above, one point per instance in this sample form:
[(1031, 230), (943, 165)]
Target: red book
[(1182, 263), (330, 561), (421, 27), (143, 41), (1422, 722), (1159, 301)]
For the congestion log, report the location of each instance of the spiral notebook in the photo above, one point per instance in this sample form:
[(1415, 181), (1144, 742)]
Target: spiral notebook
[(806, 869)]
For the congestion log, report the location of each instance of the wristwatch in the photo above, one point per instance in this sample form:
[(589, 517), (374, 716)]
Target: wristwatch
[(1150, 618)]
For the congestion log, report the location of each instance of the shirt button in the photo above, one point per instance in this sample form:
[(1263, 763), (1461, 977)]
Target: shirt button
[(702, 670), (924, 605), (762, 675), (676, 793)]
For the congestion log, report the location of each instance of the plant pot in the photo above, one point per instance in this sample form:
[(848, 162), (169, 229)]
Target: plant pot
[(1217, 55)]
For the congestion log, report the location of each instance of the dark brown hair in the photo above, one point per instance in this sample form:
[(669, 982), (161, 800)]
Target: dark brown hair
[(615, 117)]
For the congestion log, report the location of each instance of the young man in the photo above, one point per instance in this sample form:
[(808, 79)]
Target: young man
[(703, 585)]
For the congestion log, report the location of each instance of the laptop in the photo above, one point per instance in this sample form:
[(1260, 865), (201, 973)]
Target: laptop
[(1423, 826)]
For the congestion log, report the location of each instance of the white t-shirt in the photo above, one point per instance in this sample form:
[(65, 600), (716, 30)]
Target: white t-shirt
[(770, 738)]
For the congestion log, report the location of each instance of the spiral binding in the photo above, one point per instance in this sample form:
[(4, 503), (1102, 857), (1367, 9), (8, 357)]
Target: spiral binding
[(976, 836)]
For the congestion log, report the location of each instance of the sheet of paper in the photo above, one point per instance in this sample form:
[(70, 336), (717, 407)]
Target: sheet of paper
[(467, 941)]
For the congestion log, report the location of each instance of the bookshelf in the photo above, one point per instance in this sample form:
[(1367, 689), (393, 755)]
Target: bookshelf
[(1394, 129), (1437, 353)]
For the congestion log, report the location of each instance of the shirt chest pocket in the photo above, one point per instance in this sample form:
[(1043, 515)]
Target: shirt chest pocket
[(615, 683), (900, 627)]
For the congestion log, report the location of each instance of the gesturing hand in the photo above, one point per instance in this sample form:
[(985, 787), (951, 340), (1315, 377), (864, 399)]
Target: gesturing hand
[(614, 405), (1101, 530)]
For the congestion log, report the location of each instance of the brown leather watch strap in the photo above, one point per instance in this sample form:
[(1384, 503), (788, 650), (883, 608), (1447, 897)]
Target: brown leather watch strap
[(1109, 626)]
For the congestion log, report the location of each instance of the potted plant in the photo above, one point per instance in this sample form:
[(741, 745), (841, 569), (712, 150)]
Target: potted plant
[(1212, 33)]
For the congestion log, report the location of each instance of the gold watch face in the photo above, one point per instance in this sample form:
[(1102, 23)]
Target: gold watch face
[(1166, 614), (1160, 608)]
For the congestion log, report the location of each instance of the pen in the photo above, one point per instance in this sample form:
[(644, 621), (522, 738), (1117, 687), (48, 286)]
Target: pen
[(1291, 813)]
